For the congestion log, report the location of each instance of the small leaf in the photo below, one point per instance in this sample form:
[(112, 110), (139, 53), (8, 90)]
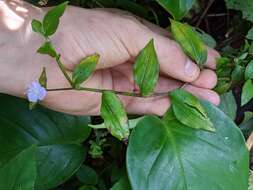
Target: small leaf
[(43, 78), (228, 104), (146, 69), (177, 8), (84, 69), (20, 172), (206, 38), (250, 34), (237, 73), (190, 42), (122, 184), (114, 115), (52, 18), (37, 26), (247, 92), (48, 49), (249, 71), (189, 111)]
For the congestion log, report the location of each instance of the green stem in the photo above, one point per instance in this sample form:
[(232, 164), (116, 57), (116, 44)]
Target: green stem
[(63, 70), (134, 94)]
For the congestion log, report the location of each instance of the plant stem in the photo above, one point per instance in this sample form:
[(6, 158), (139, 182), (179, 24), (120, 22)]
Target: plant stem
[(63, 69), (134, 94)]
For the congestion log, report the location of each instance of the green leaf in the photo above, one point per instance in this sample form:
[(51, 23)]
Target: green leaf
[(190, 42), (37, 27), (177, 8), (206, 38), (122, 184), (189, 111), (146, 69), (84, 69), (87, 187), (247, 92), (20, 172), (48, 49), (87, 175), (178, 157), (249, 71), (58, 138), (250, 34), (228, 104), (245, 6), (237, 74), (114, 115), (43, 78), (52, 18)]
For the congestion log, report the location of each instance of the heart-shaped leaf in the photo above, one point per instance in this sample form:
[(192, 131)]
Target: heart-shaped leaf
[(189, 111), (146, 69), (190, 42), (84, 69), (174, 156), (20, 172), (114, 115), (177, 8), (247, 92), (58, 138)]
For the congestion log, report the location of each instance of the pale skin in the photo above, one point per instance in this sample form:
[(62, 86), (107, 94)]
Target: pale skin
[(117, 36)]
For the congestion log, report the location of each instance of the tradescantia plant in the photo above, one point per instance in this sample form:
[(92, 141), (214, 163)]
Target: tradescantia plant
[(193, 146)]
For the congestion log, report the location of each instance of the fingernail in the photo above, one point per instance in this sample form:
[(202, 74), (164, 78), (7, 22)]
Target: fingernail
[(190, 68)]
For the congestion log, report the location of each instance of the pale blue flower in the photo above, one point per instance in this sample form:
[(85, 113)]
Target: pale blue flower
[(36, 92)]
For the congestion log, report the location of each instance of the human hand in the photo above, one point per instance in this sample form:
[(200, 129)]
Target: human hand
[(117, 37)]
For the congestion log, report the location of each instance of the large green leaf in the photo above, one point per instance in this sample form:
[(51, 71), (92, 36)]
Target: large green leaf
[(246, 6), (190, 42), (146, 69), (58, 138), (114, 115), (20, 172), (177, 8), (177, 157)]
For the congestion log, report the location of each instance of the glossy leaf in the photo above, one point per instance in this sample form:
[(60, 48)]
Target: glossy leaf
[(48, 49), (189, 111), (84, 69), (177, 8), (190, 42), (37, 26), (249, 71), (179, 157), (114, 115), (57, 135), (87, 175), (146, 69), (247, 92), (52, 18), (43, 78), (228, 104), (20, 172)]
